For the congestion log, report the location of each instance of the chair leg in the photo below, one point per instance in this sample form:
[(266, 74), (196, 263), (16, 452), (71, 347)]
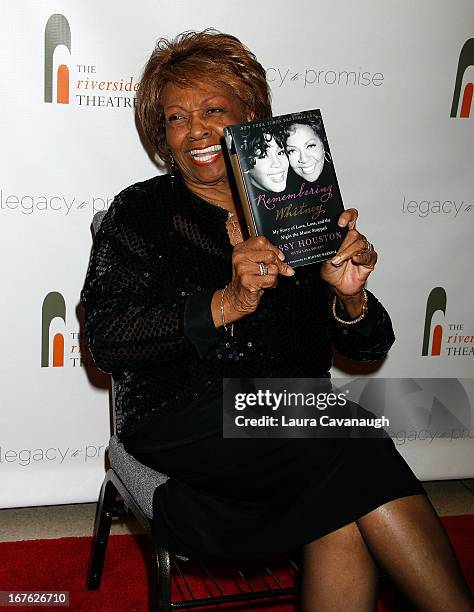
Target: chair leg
[(103, 520), (161, 577)]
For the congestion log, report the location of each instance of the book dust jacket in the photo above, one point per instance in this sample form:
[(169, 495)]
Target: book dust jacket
[(287, 184)]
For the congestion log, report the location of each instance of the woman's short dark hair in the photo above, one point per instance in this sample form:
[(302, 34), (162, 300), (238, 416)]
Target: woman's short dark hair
[(256, 143), (314, 123), (193, 57)]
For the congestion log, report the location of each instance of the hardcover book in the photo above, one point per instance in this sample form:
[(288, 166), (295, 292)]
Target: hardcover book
[(287, 184)]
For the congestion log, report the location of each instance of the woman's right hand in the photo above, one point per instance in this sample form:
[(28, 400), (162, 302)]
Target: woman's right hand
[(245, 291)]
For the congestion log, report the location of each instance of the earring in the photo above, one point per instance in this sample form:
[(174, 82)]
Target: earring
[(173, 168), (327, 157)]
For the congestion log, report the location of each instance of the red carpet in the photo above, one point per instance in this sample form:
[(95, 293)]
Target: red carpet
[(60, 565)]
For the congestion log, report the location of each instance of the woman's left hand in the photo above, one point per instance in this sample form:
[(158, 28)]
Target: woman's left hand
[(347, 272)]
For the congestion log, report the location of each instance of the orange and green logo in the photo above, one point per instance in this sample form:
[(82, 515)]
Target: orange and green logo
[(53, 306), (436, 302), (57, 32), (466, 60)]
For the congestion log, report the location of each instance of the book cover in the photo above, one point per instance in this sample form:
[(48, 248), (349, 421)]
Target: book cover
[(287, 184)]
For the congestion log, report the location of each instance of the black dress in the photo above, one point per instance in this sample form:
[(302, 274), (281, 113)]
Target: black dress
[(159, 255)]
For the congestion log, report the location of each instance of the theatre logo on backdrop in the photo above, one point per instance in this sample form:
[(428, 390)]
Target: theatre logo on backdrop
[(76, 81), (439, 207), (463, 91), (440, 336), (60, 347), (57, 32)]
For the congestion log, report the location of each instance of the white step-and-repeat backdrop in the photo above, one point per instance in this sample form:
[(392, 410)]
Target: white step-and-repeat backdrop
[(394, 82)]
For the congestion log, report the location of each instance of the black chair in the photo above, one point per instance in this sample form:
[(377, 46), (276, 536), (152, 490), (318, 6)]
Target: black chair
[(130, 485)]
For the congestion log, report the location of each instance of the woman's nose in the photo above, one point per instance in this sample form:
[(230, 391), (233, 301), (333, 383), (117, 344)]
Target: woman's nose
[(276, 162), (198, 127), (303, 156)]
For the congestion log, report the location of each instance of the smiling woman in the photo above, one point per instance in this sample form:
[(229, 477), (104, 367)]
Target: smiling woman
[(170, 277), (195, 118), (305, 150), (266, 160)]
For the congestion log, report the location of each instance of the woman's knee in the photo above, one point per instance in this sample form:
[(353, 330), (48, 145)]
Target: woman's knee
[(346, 540)]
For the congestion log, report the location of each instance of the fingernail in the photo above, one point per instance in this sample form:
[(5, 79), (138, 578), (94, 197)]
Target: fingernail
[(281, 256), (336, 260), (290, 270)]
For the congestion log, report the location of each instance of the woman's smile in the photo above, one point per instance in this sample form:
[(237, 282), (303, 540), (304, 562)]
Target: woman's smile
[(277, 177), (308, 169), (206, 155)]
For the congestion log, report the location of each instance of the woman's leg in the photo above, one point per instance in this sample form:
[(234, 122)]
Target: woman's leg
[(339, 574), (406, 537)]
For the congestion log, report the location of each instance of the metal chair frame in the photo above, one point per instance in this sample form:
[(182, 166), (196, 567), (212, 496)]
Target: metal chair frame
[(162, 561)]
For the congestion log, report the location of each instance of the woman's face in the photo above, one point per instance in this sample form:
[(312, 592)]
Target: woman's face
[(195, 118), (305, 151), (270, 170)]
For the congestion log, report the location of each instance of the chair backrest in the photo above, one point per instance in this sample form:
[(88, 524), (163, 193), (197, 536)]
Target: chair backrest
[(116, 420), (97, 220)]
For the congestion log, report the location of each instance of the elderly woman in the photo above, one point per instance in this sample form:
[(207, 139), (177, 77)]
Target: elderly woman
[(177, 297)]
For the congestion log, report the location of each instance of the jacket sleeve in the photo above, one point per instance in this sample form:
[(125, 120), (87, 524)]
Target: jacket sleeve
[(368, 340), (134, 311)]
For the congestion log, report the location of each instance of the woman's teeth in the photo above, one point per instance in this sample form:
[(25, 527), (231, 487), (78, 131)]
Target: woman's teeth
[(277, 178), (205, 154)]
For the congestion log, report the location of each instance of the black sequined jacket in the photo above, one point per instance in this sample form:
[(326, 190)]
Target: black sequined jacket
[(159, 255)]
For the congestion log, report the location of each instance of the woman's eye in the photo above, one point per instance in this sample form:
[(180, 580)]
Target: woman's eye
[(281, 152), (212, 111), (174, 118), (291, 151)]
